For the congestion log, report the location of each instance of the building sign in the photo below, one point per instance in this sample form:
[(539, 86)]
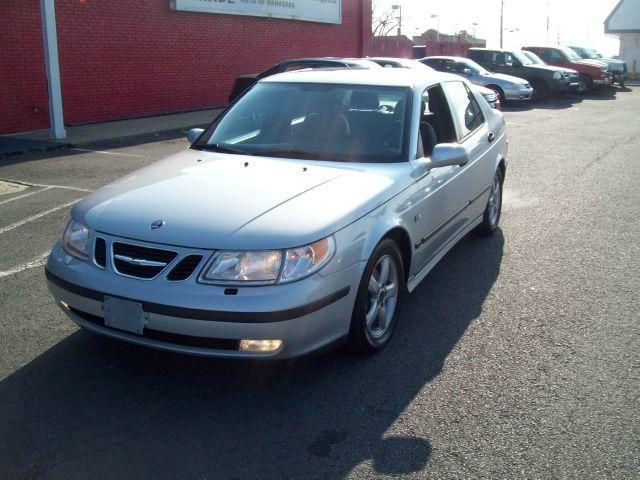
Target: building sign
[(325, 11)]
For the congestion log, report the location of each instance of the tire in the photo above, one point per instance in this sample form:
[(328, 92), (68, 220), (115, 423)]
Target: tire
[(587, 81), (621, 83), (369, 337), (493, 210), (540, 90), (499, 92)]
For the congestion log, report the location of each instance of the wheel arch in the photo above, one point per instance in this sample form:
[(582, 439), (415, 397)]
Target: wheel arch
[(401, 237)]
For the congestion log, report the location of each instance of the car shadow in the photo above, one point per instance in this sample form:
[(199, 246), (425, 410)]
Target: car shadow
[(552, 103), (93, 407)]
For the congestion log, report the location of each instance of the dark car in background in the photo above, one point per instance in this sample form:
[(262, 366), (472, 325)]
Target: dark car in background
[(243, 82), (571, 77), (544, 79), (617, 67), (592, 72)]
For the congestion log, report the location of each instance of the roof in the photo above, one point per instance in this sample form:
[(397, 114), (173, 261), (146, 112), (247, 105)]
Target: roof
[(391, 77), (624, 18), (445, 57)]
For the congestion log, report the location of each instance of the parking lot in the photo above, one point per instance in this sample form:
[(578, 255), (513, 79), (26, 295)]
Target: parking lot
[(517, 357)]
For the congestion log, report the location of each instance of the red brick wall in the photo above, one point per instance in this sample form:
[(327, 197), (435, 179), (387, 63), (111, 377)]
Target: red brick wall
[(398, 47), (24, 103), (123, 58)]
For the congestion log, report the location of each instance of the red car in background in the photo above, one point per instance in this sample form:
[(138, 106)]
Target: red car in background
[(592, 72)]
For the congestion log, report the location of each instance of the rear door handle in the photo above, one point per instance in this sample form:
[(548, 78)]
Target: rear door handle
[(491, 137)]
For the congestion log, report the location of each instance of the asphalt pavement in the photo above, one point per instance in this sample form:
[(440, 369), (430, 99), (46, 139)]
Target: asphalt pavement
[(518, 356)]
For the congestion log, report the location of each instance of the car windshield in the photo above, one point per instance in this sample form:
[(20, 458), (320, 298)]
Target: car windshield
[(536, 60), (570, 54), (584, 52), (475, 68), (349, 123), (522, 58)]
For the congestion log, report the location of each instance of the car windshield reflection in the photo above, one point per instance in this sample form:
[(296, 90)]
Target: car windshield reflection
[(349, 123)]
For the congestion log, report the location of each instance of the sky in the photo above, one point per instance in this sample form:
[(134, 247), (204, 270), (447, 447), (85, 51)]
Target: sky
[(577, 22)]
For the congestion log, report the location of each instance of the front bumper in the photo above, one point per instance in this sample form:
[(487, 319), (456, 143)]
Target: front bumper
[(516, 95), (604, 81), (199, 319)]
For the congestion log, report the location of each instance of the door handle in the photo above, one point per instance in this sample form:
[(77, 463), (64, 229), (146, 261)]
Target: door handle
[(491, 137)]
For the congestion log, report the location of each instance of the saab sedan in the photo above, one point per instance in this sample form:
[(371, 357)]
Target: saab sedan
[(299, 219)]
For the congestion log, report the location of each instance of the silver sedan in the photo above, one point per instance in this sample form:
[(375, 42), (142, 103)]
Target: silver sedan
[(300, 218), (507, 87)]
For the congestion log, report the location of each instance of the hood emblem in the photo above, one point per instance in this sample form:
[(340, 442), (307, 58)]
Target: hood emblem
[(157, 224)]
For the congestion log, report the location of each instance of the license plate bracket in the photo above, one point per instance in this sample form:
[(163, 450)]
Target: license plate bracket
[(124, 315)]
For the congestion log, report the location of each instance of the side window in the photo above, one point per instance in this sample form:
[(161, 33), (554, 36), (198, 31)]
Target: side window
[(465, 107), (436, 123), (555, 56)]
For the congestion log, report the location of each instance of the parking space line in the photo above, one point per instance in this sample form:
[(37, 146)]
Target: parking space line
[(38, 215), (36, 262), (21, 182), (28, 194), (106, 153)]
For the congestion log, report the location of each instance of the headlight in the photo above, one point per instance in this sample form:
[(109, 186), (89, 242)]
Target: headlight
[(303, 261), (76, 240), (557, 75), (265, 267), (259, 267)]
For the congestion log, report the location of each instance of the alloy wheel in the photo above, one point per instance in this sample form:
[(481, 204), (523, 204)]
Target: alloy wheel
[(382, 297)]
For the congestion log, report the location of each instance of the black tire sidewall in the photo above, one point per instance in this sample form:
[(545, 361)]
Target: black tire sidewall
[(359, 339), (486, 227)]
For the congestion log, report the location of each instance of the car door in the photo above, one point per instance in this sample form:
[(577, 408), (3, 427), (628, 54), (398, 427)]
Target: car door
[(441, 193)]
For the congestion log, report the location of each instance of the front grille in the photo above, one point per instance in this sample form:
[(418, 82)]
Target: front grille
[(100, 252), (140, 262), (175, 338), (184, 268)]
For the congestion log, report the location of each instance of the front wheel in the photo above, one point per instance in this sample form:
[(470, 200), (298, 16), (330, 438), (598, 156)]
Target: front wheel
[(540, 90), (380, 295), (586, 83), (493, 209)]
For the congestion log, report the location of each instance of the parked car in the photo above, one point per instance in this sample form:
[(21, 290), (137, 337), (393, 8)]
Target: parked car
[(490, 96), (569, 76), (617, 67), (592, 72), (545, 80), (243, 82), (391, 62), (271, 237), (507, 87)]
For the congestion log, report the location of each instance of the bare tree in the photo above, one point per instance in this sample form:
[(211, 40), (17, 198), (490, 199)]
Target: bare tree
[(383, 20)]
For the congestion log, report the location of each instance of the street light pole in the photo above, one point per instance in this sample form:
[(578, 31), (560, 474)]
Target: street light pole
[(501, 22), (399, 8)]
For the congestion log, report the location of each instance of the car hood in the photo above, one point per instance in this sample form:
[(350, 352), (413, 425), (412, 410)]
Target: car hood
[(546, 68), (505, 78), (592, 63), (219, 201)]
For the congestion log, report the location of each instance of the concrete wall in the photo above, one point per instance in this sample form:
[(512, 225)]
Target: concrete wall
[(630, 51), (124, 58)]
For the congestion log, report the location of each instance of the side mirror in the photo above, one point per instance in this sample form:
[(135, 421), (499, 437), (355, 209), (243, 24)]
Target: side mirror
[(193, 135), (443, 155), (447, 154)]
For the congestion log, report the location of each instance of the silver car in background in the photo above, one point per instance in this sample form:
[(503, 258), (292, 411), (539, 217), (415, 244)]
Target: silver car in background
[(298, 219), (507, 87), (492, 98)]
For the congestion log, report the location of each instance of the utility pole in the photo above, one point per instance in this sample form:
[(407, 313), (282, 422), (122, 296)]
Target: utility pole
[(501, 21), (548, 15)]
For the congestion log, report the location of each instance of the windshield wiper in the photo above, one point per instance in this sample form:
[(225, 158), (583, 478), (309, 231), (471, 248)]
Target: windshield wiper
[(216, 147), (293, 154)]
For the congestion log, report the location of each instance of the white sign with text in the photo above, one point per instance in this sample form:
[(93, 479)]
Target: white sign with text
[(325, 11)]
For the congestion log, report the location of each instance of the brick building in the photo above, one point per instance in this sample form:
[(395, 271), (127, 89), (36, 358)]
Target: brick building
[(125, 58)]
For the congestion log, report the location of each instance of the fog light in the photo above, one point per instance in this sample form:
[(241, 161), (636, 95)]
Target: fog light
[(249, 345)]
